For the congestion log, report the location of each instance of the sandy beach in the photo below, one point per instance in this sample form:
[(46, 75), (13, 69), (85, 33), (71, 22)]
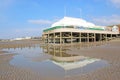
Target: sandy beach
[(110, 52)]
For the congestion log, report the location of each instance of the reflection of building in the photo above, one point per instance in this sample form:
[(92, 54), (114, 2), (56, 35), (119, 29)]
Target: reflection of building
[(59, 54), (72, 30), (67, 61), (77, 64)]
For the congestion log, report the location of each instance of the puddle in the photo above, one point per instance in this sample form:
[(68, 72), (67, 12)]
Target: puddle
[(53, 62)]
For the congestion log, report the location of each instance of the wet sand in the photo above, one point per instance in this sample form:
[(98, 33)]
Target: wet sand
[(109, 52), (8, 72), (18, 44)]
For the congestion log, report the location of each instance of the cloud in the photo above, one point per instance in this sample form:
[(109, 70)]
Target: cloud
[(40, 21), (107, 20), (27, 30), (6, 3), (116, 3)]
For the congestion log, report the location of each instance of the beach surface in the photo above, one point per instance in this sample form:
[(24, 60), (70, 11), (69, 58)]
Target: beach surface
[(109, 52)]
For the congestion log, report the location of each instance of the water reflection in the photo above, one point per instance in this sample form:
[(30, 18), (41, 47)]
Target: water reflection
[(71, 63), (53, 62)]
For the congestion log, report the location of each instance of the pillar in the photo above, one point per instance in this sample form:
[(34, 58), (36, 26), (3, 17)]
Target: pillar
[(88, 37), (100, 37), (106, 37), (94, 37), (48, 38), (71, 37), (60, 37), (111, 36), (54, 37), (80, 37), (116, 35)]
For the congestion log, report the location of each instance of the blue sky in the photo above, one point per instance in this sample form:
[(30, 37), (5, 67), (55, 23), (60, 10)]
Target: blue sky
[(20, 18)]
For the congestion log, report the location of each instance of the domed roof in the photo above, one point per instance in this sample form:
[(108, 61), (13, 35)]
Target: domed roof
[(69, 21)]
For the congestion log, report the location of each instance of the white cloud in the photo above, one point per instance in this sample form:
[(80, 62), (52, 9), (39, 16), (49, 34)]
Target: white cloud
[(6, 3), (40, 21), (27, 30), (107, 20), (116, 3)]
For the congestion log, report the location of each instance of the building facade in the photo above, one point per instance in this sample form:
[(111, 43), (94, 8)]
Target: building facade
[(75, 30)]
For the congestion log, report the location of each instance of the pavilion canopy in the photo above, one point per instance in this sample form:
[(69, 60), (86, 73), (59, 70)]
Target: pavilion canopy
[(69, 21)]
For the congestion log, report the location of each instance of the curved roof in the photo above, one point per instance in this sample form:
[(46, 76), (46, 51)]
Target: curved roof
[(69, 21)]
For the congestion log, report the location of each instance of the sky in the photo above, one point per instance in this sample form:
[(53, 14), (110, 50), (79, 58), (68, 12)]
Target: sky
[(21, 18)]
